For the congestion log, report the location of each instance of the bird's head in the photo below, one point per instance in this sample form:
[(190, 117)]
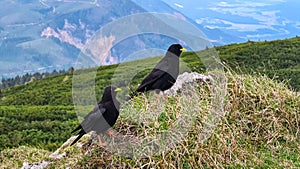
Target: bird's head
[(111, 91), (176, 49)]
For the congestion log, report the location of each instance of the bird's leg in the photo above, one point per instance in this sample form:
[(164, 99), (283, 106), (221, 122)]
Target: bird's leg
[(110, 133), (164, 94), (101, 144), (157, 94)]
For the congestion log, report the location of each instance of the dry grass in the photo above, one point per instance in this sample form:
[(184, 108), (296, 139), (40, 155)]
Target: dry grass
[(14, 158), (260, 129)]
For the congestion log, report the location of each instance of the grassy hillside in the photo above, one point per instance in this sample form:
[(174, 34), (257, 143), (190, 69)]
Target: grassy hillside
[(260, 129), (41, 113), (279, 59), (40, 126)]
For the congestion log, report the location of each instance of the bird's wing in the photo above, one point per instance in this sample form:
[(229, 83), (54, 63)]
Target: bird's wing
[(151, 78), (92, 118)]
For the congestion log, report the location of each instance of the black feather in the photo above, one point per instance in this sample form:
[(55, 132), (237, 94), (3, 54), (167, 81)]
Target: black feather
[(78, 128), (102, 117), (80, 134), (165, 73)]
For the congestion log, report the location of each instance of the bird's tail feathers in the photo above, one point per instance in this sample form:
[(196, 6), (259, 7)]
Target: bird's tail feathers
[(81, 133), (78, 128)]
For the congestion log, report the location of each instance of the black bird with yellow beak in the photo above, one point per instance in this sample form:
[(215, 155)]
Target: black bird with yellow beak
[(103, 117), (165, 73)]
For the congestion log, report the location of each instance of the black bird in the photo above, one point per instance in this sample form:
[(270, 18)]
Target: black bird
[(165, 73), (103, 117)]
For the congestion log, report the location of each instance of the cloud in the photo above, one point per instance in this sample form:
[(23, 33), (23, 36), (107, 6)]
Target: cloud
[(178, 5), (259, 14), (244, 4), (228, 25), (269, 18), (225, 4), (278, 0), (249, 9), (258, 36)]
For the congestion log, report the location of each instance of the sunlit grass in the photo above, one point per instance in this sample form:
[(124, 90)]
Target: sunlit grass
[(260, 129)]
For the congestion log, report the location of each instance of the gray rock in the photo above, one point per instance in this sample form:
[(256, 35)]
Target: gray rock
[(188, 78), (35, 165)]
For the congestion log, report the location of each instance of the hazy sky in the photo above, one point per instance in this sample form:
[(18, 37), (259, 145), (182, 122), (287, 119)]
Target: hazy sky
[(257, 19)]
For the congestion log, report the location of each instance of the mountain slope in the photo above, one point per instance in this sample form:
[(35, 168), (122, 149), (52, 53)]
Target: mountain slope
[(278, 59), (47, 35)]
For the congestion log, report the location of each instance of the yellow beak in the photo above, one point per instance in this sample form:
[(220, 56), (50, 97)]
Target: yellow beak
[(183, 49), (118, 89)]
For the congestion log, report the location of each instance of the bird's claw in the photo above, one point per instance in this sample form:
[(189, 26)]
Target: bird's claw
[(110, 133), (102, 144)]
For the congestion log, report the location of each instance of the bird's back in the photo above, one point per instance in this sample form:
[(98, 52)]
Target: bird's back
[(109, 117), (112, 114), (164, 74)]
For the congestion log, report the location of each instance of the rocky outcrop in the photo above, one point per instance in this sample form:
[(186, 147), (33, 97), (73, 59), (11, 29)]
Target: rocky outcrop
[(186, 78)]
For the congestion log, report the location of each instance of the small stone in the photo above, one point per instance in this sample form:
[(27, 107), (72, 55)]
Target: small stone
[(35, 165)]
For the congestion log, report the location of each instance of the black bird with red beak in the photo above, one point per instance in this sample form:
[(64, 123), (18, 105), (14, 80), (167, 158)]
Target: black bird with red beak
[(103, 117)]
